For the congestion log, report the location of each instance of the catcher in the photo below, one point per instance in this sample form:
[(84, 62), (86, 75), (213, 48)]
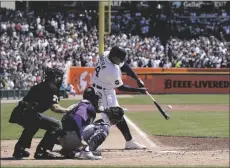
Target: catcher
[(79, 131)]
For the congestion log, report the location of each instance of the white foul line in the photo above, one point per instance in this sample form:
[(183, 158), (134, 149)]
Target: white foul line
[(140, 132)]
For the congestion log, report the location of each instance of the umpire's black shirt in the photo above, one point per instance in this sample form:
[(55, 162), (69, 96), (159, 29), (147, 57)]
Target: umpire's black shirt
[(45, 94)]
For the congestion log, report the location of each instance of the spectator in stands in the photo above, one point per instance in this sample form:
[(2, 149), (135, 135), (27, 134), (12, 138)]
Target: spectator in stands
[(70, 90), (29, 42)]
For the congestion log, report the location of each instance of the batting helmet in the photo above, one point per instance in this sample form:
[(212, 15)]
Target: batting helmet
[(115, 114), (117, 53)]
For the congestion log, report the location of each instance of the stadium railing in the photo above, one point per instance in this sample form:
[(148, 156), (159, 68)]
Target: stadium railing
[(13, 94), (18, 94)]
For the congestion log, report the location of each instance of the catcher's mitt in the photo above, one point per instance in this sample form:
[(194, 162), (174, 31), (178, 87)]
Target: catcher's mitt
[(115, 114)]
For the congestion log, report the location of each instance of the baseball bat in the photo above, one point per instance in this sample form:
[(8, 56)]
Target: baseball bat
[(158, 106)]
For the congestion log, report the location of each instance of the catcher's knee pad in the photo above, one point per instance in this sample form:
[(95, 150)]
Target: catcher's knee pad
[(95, 135)]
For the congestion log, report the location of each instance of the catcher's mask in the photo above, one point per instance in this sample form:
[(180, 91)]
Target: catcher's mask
[(117, 55), (115, 114), (53, 75), (90, 95)]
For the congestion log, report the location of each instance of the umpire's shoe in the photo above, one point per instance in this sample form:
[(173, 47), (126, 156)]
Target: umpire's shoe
[(20, 153), (44, 155)]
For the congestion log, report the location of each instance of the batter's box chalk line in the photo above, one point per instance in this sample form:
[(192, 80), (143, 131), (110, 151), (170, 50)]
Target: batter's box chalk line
[(140, 132)]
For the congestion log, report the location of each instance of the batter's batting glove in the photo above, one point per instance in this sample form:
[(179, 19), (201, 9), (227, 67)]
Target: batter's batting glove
[(140, 83), (142, 90)]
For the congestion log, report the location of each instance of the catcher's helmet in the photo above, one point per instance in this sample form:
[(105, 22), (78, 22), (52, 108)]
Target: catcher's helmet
[(90, 95), (117, 53), (115, 114)]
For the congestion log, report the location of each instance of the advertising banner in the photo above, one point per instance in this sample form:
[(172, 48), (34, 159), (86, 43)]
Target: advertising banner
[(80, 78), (162, 82), (191, 83)]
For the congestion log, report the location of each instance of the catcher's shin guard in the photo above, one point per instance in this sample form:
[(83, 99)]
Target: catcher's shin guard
[(96, 141), (95, 134)]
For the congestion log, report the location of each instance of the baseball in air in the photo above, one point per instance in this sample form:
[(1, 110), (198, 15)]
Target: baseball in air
[(170, 107)]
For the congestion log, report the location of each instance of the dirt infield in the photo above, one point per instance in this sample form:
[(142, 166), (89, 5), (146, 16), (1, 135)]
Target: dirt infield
[(167, 150)]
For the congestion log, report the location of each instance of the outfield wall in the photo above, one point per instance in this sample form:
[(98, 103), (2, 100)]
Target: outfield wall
[(165, 81)]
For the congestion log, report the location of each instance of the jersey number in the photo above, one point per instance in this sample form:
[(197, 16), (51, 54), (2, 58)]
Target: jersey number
[(97, 70), (55, 98)]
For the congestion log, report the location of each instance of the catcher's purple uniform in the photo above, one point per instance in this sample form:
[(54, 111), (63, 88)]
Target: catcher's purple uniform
[(84, 114), (81, 116)]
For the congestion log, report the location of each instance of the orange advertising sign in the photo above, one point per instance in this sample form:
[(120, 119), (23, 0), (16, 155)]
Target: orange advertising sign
[(192, 83), (161, 82), (80, 78)]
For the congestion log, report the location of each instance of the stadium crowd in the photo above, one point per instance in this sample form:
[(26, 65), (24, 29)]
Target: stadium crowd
[(29, 42)]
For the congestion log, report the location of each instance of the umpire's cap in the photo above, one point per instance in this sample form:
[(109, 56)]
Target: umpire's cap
[(53, 74), (118, 52)]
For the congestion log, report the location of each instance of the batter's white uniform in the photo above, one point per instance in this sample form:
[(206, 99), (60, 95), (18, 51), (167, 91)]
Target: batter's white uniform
[(107, 76)]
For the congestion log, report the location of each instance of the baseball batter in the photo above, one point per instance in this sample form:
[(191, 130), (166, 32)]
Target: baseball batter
[(108, 76)]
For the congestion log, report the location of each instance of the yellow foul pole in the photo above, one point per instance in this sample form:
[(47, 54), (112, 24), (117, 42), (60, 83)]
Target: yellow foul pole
[(109, 16), (101, 26)]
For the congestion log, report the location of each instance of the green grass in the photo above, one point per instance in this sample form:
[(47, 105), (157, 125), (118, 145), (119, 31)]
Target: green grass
[(202, 124), (172, 99), (184, 123), (179, 99), (119, 167), (13, 131)]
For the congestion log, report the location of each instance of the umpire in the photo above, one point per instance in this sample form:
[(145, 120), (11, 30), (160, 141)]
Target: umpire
[(28, 114)]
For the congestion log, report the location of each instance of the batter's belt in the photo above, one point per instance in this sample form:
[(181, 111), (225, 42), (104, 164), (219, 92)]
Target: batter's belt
[(98, 87)]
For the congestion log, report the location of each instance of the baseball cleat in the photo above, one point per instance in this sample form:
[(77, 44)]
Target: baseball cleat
[(87, 154), (44, 155), (96, 153), (132, 144), (20, 153), (68, 155)]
